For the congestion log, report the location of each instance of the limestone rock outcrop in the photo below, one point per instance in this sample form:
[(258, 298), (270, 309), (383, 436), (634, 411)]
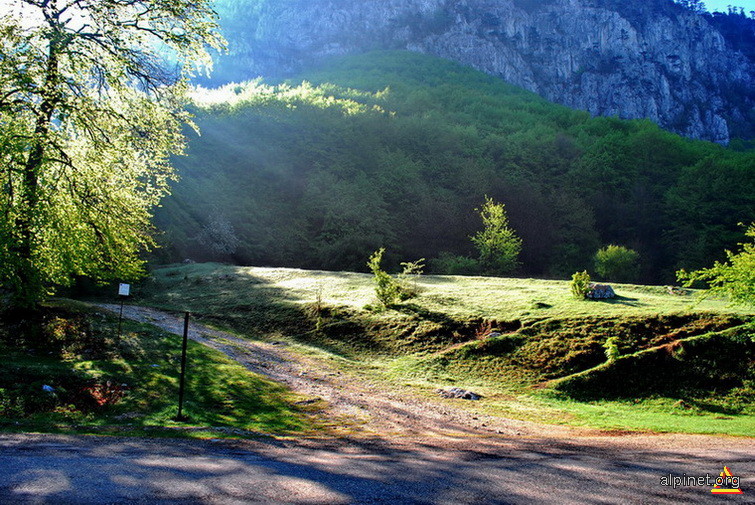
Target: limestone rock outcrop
[(633, 59)]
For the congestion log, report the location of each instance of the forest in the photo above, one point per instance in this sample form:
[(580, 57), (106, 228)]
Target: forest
[(395, 149)]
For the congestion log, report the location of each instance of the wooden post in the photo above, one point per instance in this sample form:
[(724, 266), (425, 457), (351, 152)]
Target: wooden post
[(120, 318), (180, 416)]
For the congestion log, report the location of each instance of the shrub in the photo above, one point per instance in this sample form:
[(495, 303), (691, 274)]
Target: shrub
[(450, 264), (612, 348), (580, 284), (735, 278), (617, 263), (9, 405), (387, 289), (407, 279)]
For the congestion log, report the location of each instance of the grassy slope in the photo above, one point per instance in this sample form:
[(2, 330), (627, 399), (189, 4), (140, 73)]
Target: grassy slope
[(209, 287), (261, 301), (220, 393)]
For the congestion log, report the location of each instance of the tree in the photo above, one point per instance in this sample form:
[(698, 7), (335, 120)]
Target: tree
[(89, 114), (617, 263), (498, 244), (734, 278)]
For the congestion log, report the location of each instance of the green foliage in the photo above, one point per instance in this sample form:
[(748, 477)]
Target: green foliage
[(498, 243), (219, 391), (450, 264), (219, 236), (612, 348), (407, 279), (89, 122), (617, 263), (734, 278), (580, 285), (413, 268), (433, 341), (715, 361), (387, 289), (396, 148)]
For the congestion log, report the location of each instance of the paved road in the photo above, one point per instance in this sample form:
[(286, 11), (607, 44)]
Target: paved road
[(52, 469)]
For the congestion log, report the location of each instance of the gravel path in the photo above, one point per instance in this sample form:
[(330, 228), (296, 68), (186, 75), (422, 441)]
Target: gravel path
[(360, 404)]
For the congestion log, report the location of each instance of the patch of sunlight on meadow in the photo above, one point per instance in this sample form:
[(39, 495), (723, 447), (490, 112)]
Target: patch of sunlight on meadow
[(458, 296)]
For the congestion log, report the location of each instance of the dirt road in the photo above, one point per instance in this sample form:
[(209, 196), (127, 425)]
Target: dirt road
[(403, 452), (364, 407)]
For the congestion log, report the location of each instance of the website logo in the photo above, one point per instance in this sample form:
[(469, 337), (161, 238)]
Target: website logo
[(726, 483)]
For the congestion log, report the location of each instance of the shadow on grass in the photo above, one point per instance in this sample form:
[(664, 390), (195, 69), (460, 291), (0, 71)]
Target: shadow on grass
[(621, 300), (714, 408), (413, 309), (133, 382)]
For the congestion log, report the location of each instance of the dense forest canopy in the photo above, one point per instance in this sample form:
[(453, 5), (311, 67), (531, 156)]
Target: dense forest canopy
[(396, 150)]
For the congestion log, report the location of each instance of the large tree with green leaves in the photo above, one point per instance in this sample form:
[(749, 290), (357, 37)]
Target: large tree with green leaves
[(91, 107)]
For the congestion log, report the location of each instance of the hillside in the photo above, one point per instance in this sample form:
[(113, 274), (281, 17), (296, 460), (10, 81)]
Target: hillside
[(527, 346), (690, 72), (397, 149)]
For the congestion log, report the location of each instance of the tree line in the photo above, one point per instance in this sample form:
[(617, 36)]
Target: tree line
[(397, 150)]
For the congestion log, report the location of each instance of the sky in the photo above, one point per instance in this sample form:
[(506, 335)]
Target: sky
[(720, 5)]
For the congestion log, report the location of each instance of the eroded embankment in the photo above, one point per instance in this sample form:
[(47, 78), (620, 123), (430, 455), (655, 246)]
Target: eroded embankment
[(651, 355)]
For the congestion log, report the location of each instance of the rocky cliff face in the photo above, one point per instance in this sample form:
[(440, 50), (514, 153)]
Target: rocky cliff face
[(633, 59)]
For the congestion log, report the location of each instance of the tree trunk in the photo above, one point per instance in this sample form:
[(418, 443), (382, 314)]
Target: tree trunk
[(29, 286)]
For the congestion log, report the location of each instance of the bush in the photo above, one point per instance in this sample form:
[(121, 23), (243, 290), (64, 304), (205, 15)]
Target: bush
[(612, 349), (617, 263), (387, 289), (451, 264), (407, 279), (580, 284), (735, 278)]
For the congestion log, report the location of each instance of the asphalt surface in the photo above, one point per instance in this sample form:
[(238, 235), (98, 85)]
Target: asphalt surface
[(52, 469)]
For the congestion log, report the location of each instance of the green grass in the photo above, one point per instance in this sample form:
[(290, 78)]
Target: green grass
[(207, 288), (222, 398), (429, 342), (508, 392), (658, 414)]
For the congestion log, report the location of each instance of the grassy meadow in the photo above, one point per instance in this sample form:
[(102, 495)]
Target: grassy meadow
[(543, 336), (209, 288)]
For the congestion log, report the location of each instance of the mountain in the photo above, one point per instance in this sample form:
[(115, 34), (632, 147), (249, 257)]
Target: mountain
[(655, 59), (396, 149)]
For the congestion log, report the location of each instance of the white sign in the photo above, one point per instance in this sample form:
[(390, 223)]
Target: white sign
[(124, 289)]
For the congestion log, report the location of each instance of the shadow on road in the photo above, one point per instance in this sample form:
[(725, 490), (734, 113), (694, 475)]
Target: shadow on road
[(60, 469)]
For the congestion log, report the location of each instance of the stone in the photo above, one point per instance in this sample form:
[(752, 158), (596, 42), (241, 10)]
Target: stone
[(601, 292), (458, 393)]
